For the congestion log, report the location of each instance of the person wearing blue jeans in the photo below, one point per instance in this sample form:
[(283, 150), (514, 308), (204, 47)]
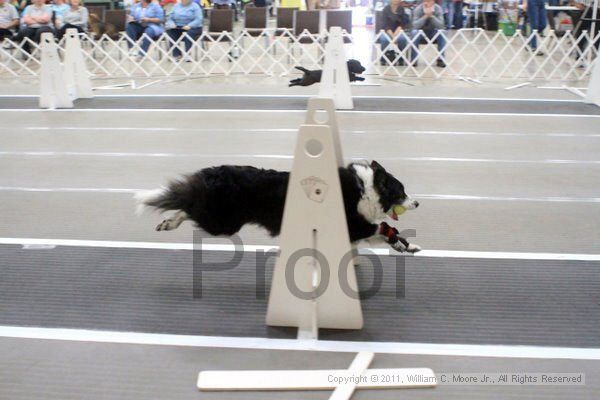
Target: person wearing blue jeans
[(395, 22), (185, 18), (146, 18), (536, 14), (428, 20), (453, 11)]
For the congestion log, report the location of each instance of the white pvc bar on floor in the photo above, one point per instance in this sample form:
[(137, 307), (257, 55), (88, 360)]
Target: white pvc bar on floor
[(469, 53)]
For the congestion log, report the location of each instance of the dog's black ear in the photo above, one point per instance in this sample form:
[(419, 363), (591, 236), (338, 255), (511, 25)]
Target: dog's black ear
[(379, 175), (376, 166)]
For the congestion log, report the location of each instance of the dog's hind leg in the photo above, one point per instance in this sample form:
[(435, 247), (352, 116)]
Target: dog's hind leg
[(172, 223)]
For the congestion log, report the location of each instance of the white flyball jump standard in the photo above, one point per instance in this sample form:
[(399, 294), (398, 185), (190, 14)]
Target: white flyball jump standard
[(335, 81), (77, 76), (60, 84), (314, 283), (593, 92), (53, 88), (307, 291)]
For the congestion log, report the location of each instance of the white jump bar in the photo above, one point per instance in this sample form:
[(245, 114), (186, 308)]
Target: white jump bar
[(388, 378)]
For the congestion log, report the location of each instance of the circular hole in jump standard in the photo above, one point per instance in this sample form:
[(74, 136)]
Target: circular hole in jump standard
[(313, 148), (321, 117)]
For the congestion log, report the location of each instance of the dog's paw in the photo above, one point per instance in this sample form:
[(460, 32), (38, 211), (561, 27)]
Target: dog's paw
[(413, 248), (166, 225), (410, 248), (399, 246)]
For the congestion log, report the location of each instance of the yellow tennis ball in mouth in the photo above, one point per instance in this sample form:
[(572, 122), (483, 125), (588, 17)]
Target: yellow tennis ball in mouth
[(399, 210)]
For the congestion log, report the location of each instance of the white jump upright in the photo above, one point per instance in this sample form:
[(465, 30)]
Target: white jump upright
[(76, 74), (53, 88), (593, 92), (335, 81), (306, 291)]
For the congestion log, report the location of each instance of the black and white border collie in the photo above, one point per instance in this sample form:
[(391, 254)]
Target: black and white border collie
[(222, 199)]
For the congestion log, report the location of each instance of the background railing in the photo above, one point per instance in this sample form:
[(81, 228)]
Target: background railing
[(468, 53)]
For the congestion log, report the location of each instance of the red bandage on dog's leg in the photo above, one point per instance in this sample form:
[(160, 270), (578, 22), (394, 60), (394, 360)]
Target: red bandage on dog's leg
[(389, 232)]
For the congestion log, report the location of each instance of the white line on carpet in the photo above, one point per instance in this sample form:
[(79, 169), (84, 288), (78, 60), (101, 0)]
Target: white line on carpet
[(446, 197), (309, 96), (79, 129), (256, 248), (255, 111), (281, 156), (460, 350)]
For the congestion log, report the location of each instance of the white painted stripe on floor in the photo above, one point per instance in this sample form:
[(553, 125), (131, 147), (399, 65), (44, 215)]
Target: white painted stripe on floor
[(453, 197), (269, 130), (469, 133), (501, 198), (255, 111), (150, 129), (309, 96), (67, 190), (383, 251), (457, 350), (283, 157)]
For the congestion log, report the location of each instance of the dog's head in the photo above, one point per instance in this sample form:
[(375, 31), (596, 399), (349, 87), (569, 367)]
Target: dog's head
[(391, 191), (354, 66)]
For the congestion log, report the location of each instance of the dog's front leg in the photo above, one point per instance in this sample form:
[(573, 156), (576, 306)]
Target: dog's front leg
[(394, 239)]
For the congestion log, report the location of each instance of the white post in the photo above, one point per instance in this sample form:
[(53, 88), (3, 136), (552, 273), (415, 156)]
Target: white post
[(593, 92), (307, 291), (335, 82), (53, 89), (77, 77)]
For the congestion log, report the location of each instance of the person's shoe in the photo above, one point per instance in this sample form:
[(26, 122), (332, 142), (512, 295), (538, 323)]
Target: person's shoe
[(400, 62), (535, 51), (415, 64), (188, 59), (7, 45), (133, 53), (440, 63)]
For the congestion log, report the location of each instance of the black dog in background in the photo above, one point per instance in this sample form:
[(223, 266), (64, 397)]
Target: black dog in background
[(314, 76)]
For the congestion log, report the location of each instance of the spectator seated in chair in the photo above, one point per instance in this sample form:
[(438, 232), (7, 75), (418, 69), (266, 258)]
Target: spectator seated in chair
[(395, 21), (428, 20), (9, 19), (59, 7), (146, 18), (36, 19), (185, 18), (76, 17)]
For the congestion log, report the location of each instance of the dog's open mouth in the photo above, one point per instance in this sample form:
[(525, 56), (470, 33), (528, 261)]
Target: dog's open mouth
[(396, 211)]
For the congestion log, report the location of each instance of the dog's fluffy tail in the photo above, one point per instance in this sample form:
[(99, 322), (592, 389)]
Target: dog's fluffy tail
[(174, 197)]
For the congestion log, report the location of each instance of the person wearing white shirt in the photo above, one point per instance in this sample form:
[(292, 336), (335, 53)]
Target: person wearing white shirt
[(36, 19), (76, 17), (9, 19)]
